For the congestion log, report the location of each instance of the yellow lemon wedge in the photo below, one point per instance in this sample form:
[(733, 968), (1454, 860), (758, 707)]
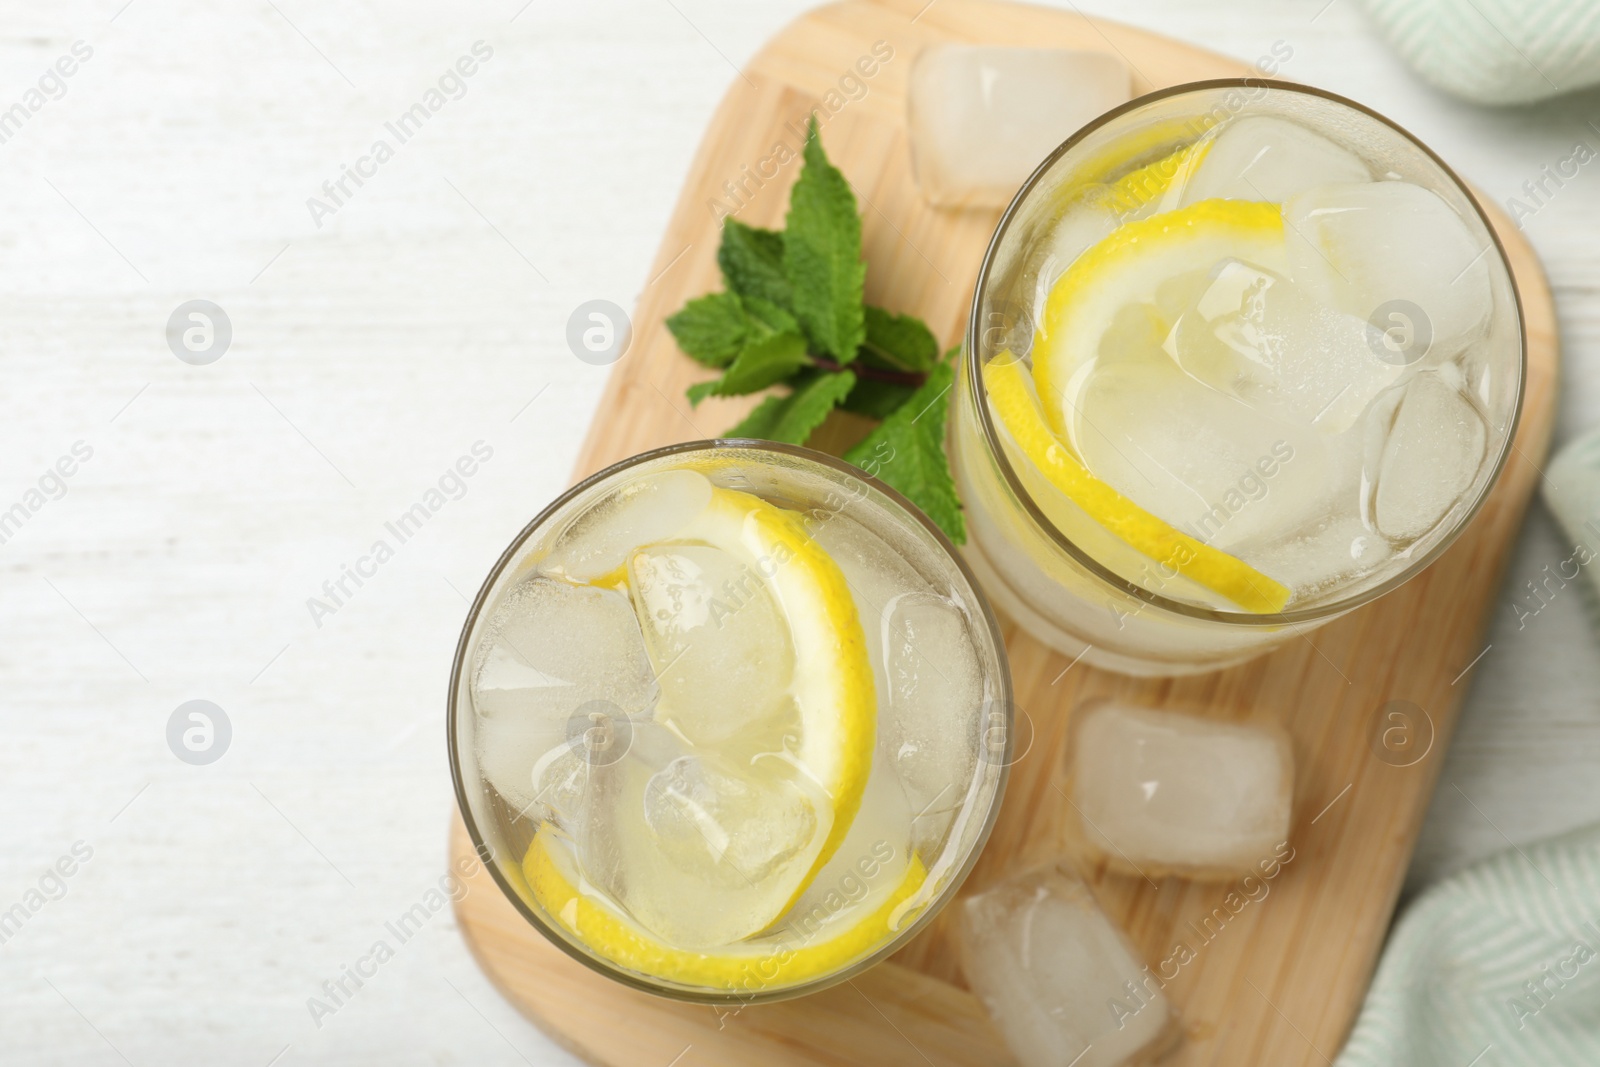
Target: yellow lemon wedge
[(1018, 409), (783, 958), (1125, 269), (832, 683), (1150, 183)]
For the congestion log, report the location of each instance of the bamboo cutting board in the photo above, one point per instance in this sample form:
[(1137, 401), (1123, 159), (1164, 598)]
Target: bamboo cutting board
[(1276, 980)]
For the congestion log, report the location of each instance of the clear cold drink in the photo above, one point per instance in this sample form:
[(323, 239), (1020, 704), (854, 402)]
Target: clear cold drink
[(732, 720), (1241, 358)]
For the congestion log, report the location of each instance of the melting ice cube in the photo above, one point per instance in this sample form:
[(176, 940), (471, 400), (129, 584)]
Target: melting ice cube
[(1159, 792), (702, 852), (870, 864), (929, 723), (551, 650), (645, 510), (1333, 553), (1258, 337), (1430, 457), (1061, 983), (1220, 469), (1394, 255), (983, 117), (1270, 159), (719, 642)]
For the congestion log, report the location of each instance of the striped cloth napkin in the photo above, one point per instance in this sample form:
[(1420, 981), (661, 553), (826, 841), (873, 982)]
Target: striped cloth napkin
[(1497, 966), (1496, 51)]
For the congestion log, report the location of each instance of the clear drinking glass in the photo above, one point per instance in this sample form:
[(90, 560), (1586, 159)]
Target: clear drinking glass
[(1196, 398), (594, 786)]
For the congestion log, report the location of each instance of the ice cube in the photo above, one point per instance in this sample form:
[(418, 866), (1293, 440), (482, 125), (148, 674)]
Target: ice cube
[(870, 864), (1164, 793), (1267, 158), (1334, 553), (1215, 467), (720, 644), (982, 117), (648, 509), (1062, 984), (550, 650), (931, 715), (1394, 255), (739, 829), (704, 853), (1256, 336), (1430, 457), (876, 573)]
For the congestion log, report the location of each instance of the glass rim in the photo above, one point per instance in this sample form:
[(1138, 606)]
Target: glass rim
[(1315, 613), (595, 962)]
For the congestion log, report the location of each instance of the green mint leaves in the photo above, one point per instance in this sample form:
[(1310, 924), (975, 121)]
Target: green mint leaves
[(793, 316), (822, 255), (907, 451)]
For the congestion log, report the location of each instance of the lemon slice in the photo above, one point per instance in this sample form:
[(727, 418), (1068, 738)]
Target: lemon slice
[(1150, 183), (781, 959), (1006, 382), (832, 686), (1126, 269)]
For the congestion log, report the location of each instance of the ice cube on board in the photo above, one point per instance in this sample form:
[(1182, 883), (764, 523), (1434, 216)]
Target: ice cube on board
[(1267, 158), (1160, 792), (1059, 980), (1394, 255), (982, 117)]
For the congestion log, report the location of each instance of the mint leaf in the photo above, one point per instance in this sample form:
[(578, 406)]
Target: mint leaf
[(875, 399), (711, 329), (898, 341), (760, 363), (822, 255), (907, 451), (769, 315), (752, 262), (792, 418)]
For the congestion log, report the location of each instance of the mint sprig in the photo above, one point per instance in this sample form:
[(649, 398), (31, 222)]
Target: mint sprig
[(793, 316)]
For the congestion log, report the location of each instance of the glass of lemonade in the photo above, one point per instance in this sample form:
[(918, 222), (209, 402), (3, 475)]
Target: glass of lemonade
[(1242, 356), (732, 720)]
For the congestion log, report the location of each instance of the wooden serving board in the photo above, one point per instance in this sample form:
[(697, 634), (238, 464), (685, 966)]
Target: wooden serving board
[(1279, 982)]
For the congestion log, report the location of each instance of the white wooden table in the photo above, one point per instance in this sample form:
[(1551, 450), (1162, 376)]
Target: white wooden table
[(427, 312)]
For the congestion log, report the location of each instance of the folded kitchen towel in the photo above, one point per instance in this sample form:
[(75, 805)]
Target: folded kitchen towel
[(1497, 51), (1497, 966)]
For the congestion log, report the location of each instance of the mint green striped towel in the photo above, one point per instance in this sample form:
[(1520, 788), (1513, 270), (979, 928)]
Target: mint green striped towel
[(1497, 966), (1496, 51)]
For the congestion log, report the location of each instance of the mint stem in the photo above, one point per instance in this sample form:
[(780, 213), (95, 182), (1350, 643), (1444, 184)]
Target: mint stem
[(873, 374)]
